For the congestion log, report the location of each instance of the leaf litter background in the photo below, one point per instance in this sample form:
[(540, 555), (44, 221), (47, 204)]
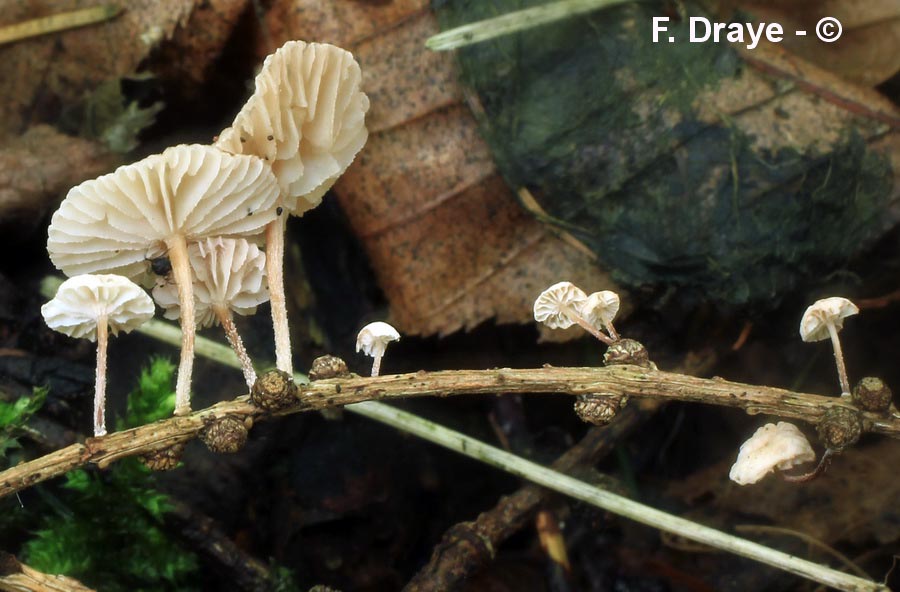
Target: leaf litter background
[(427, 228)]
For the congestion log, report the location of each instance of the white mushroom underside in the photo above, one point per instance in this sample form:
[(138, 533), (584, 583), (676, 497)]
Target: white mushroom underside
[(82, 300), (115, 222), (230, 273), (372, 339), (814, 324), (772, 446), (306, 117), (556, 304), (601, 308)]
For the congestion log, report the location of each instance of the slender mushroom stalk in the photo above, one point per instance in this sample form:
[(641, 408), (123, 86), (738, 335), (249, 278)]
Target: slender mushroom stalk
[(90, 306), (181, 270), (228, 275), (278, 302), (560, 307), (120, 221), (822, 320), (306, 118), (373, 340)]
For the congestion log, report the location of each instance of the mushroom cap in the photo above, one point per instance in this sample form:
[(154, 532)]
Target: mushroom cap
[(374, 337), (601, 308), (228, 272), (306, 117), (81, 301), (772, 446), (815, 321), (115, 222), (555, 305)]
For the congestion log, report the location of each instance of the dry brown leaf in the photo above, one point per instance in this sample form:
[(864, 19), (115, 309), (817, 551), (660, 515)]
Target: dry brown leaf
[(449, 243), (59, 68), (854, 501), (868, 51), (36, 170)]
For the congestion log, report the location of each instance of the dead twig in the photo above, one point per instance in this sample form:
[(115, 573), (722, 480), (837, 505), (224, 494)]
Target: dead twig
[(18, 577), (617, 381)]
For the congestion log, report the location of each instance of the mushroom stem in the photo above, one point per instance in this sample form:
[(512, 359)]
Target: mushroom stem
[(612, 331), (181, 271), (100, 380), (223, 313), (376, 365), (839, 360), (823, 465), (575, 316), (275, 277)]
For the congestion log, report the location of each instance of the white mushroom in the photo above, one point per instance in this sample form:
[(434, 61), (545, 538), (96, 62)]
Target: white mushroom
[(118, 222), (600, 309), (560, 307), (822, 320), (90, 305), (771, 447), (373, 340), (229, 275), (307, 119)]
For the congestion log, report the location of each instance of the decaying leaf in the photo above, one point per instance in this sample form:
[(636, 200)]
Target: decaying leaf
[(36, 170), (868, 51), (731, 176), (59, 68), (855, 500), (446, 238)]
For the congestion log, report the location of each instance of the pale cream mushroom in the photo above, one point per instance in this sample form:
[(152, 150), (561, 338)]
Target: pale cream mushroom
[(89, 306), (373, 340), (229, 275), (822, 320), (560, 307), (771, 447), (600, 309), (307, 119), (118, 222)]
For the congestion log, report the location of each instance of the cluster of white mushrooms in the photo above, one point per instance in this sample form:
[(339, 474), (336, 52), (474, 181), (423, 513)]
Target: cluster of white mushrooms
[(564, 304), (783, 446), (207, 211)]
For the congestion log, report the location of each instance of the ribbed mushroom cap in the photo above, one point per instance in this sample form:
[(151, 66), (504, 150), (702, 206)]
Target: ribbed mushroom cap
[(772, 446), (227, 272), (814, 324), (82, 300), (555, 305), (306, 117), (115, 222), (374, 337), (601, 308)]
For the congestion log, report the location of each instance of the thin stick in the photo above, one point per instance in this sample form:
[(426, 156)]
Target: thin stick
[(237, 344), (18, 577), (611, 502), (57, 22), (275, 277), (100, 378), (513, 22), (181, 271)]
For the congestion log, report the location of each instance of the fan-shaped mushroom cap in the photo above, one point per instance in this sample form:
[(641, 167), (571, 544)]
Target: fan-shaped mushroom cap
[(821, 313), (227, 272), (306, 117), (82, 300), (772, 446), (374, 337), (601, 308), (117, 221), (555, 305)]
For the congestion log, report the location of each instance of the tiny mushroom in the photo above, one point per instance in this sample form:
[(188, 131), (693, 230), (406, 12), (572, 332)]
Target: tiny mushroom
[(600, 309), (771, 447), (306, 118), (120, 222), (229, 275), (91, 305), (560, 307), (822, 320), (373, 340)]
